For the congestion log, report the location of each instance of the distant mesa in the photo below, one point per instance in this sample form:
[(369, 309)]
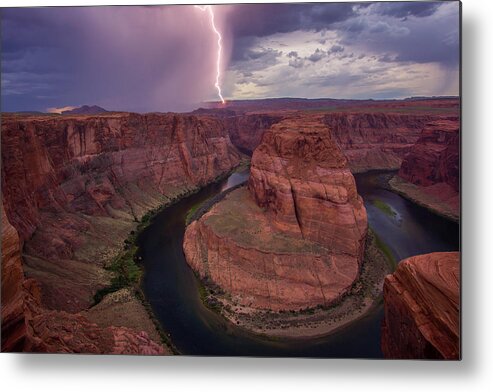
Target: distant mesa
[(86, 109)]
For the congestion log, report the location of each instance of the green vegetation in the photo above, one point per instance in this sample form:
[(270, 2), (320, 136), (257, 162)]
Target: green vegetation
[(126, 272), (383, 247), (384, 207)]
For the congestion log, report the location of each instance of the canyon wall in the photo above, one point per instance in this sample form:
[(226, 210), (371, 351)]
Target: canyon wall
[(74, 186), (373, 141), (430, 172), (369, 140), (422, 302), (295, 238), (246, 130)]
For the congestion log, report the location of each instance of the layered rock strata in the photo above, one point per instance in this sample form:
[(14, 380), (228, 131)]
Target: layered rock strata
[(375, 141), (429, 174), (293, 239), (422, 308), (74, 186), (28, 326)]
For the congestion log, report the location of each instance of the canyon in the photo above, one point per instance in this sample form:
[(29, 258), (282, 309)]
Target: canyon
[(73, 188), (294, 238), (422, 308), (291, 245)]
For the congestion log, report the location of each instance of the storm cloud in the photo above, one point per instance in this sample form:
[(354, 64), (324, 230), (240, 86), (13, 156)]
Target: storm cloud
[(162, 58)]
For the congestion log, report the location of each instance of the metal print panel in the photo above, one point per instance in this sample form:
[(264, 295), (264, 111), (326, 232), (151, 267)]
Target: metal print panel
[(238, 180)]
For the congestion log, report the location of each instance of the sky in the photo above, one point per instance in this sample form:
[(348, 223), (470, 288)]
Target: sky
[(164, 58)]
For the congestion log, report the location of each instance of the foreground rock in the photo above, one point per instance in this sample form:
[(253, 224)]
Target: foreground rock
[(422, 308), (28, 326), (74, 187), (429, 174), (294, 239)]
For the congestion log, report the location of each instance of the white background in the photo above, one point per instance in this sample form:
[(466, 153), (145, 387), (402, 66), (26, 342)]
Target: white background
[(473, 373)]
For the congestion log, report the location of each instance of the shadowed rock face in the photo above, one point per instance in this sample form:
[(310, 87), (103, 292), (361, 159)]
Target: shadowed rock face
[(13, 322), (422, 302), (294, 239), (73, 188), (246, 130), (373, 141), (430, 172), (435, 156)]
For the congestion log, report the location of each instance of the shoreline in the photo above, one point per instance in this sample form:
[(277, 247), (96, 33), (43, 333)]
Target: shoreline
[(362, 298)]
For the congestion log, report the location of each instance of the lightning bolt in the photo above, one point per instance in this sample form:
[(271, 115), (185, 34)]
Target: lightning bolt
[(219, 48)]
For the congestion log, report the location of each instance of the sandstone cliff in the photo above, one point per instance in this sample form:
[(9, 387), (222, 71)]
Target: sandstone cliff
[(246, 130), (429, 174), (373, 141), (74, 186), (422, 305), (28, 326), (295, 238)]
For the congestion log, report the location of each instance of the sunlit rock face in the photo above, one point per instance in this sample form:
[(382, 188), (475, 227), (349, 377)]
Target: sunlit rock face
[(294, 238), (422, 302)]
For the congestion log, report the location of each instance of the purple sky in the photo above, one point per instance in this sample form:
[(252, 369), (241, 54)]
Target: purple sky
[(162, 58)]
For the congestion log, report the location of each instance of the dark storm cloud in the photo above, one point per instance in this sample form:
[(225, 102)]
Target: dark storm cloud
[(424, 37), (250, 21), (260, 20), (407, 28), (126, 58), (336, 49)]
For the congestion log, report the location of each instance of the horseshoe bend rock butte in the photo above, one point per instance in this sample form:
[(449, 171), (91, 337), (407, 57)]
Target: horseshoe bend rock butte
[(293, 239), (421, 300)]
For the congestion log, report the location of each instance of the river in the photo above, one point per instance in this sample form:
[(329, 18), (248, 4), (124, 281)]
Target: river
[(173, 291)]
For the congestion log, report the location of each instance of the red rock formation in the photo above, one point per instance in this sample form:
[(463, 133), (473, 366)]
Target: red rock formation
[(246, 130), (295, 239), (435, 156), (73, 187), (301, 177), (422, 302), (27, 326), (13, 320), (372, 134), (375, 140), (429, 174)]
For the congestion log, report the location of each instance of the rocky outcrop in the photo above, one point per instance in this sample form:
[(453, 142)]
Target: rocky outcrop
[(429, 175), (300, 176), (73, 188), (422, 306), (295, 238)]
